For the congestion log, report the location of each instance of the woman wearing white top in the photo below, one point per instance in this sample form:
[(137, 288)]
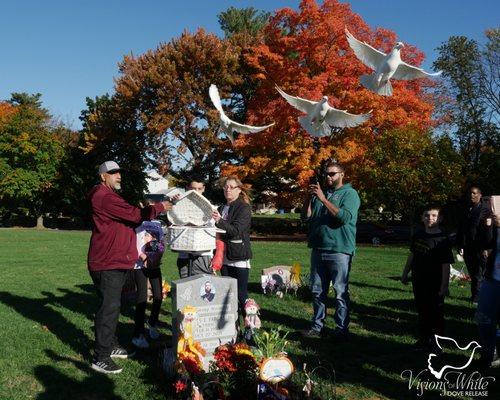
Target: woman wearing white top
[(235, 218)]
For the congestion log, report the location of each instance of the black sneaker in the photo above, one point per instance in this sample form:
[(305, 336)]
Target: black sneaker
[(120, 352), (310, 333), (106, 366)]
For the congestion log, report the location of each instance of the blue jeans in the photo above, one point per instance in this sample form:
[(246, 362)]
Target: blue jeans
[(488, 316), (326, 267)]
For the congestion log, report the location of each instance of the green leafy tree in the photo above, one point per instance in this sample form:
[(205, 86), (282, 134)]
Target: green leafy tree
[(472, 81), (406, 169), (243, 20), (30, 153)]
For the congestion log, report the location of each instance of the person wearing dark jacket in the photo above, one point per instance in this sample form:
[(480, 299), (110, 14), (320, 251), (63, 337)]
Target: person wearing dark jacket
[(235, 218), (469, 240), (112, 252), (488, 308)]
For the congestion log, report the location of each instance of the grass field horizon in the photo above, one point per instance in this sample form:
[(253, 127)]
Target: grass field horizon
[(47, 304)]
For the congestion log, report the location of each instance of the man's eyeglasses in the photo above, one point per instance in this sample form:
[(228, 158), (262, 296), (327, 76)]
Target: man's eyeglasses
[(333, 173)]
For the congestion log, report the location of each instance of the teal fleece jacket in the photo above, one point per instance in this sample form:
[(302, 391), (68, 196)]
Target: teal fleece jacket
[(335, 233)]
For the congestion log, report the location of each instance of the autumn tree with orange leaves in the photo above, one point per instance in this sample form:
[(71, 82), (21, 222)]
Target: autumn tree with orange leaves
[(306, 53), (163, 94)]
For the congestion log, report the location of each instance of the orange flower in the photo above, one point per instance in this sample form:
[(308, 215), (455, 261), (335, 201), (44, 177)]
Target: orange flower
[(191, 363)]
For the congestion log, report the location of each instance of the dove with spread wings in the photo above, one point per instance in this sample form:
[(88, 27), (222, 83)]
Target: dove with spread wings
[(386, 66), (469, 349), (321, 117), (227, 125)]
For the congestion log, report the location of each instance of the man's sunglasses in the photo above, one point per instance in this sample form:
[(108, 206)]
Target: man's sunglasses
[(333, 173)]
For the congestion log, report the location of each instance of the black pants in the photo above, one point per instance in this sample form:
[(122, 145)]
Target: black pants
[(430, 309), (476, 265), (241, 275), (109, 286), (141, 280)]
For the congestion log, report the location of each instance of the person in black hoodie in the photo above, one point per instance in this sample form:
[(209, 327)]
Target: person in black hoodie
[(235, 218), (488, 308), (469, 239)]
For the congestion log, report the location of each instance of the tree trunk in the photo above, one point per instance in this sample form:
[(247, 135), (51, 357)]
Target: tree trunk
[(39, 222)]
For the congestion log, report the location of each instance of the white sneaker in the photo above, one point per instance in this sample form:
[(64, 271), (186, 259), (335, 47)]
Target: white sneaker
[(140, 342), (153, 332)]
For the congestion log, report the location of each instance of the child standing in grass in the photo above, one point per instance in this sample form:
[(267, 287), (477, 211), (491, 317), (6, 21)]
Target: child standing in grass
[(150, 249), (429, 263)]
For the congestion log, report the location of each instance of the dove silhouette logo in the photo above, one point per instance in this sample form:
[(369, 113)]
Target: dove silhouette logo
[(450, 378), (470, 348)]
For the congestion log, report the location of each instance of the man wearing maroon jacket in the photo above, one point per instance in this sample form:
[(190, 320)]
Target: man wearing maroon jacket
[(112, 253)]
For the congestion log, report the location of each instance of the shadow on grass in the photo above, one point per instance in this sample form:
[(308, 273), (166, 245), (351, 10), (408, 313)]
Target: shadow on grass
[(40, 311), (57, 385), (285, 320), (44, 311), (378, 287), (381, 320), (254, 288), (376, 360), (394, 317), (374, 363), (60, 386)]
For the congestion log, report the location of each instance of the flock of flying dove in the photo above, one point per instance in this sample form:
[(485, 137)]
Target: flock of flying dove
[(320, 117)]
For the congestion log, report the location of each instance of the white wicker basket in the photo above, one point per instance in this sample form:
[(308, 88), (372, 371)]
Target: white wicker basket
[(191, 209), (191, 238)]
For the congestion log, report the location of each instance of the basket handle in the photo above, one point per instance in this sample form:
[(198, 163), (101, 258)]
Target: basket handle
[(178, 236)]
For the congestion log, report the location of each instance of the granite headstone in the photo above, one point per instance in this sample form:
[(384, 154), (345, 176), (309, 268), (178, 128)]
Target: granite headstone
[(216, 302)]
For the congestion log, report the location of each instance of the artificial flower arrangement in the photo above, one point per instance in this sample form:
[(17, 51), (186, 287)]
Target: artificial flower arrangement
[(233, 371), (241, 372), (236, 371)]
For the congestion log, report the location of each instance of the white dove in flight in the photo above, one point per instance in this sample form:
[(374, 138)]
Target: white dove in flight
[(227, 125), (386, 66), (470, 348), (321, 116)]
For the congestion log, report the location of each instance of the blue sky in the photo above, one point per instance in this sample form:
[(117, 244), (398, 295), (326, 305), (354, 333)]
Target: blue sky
[(68, 50)]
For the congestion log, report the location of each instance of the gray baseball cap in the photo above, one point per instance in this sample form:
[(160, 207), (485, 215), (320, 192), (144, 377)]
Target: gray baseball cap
[(108, 166)]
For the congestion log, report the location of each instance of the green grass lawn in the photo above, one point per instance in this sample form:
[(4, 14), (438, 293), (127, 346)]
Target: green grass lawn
[(47, 304)]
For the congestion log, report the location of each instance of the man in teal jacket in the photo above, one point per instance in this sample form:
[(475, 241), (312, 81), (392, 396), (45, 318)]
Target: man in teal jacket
[(332, 216)]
